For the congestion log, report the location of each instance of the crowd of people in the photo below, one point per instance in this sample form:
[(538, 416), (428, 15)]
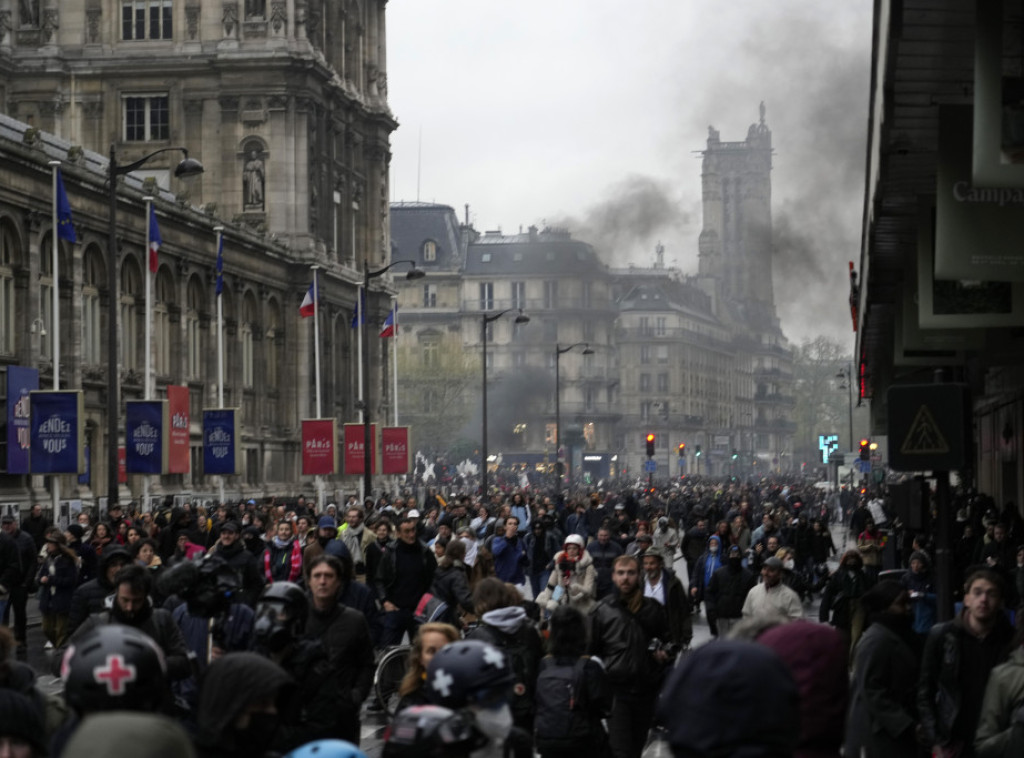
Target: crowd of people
[(537, 624)]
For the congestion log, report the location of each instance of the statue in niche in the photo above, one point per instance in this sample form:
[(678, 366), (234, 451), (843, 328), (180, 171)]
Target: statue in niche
[(253, 181), (256, 8), (29, 13)]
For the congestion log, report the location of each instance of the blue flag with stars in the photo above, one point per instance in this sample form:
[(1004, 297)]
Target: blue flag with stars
[(65, 227)]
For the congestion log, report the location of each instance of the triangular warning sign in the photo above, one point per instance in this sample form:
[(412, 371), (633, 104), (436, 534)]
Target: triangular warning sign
[(924, 436)]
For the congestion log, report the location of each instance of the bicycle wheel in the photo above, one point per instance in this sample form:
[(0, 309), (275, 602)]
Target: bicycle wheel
[(388, 677)]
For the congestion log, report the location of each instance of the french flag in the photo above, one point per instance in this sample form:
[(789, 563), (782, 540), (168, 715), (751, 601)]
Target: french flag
[(390, 327), (154, 241), (308, 307)]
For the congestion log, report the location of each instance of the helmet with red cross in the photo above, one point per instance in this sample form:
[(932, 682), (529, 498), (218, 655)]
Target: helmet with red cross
[(114, 668)]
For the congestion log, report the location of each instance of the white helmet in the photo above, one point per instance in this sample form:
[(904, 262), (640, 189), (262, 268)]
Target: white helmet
[(574, 539)]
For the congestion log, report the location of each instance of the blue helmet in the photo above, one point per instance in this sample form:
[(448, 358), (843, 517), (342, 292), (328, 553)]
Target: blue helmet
[(327, 749)]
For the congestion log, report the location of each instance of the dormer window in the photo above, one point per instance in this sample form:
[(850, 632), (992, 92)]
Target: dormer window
[(429, 251)]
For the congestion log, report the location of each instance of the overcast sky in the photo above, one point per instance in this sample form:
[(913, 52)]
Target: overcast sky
[(591, 114)]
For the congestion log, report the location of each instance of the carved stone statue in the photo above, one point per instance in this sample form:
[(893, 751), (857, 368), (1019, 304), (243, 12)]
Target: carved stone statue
[(253, 181), (29, 13)]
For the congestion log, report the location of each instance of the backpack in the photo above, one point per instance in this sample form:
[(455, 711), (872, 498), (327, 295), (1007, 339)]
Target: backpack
[(523, 661), (430, 608), (561, 719)]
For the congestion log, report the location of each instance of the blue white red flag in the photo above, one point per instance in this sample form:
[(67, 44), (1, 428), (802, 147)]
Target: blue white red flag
[(154, 241), (390, 326), (308, 307)]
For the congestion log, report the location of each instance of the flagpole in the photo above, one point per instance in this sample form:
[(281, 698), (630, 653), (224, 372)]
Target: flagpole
[(147, 393), (360, 294), (220, 340), (318, 481), (394, 352), (55, 324)]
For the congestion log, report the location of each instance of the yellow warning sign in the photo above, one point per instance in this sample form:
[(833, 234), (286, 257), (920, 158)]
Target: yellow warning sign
[(924, 436)]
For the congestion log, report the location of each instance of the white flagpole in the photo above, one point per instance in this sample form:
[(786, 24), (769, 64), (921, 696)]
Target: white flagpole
[(394, 351), (147, 389), (220, 354), (55, 325), (359, 347), (318, 481)]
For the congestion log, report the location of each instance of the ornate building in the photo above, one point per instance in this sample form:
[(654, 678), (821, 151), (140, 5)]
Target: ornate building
[(285, 105)]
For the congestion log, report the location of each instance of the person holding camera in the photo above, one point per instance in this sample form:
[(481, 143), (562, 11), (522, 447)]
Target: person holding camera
[(624, 629), (573, 581)]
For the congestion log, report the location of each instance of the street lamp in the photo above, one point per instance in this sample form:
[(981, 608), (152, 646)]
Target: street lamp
[(845, 377), (559, 351), (414, 273), (485, 319), (187, 168)]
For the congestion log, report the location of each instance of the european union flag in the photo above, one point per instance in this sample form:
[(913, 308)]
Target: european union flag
[(65, 227)]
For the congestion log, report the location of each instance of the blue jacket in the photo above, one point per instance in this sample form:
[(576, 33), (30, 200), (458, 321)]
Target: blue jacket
[(509, 560), (62, 578)]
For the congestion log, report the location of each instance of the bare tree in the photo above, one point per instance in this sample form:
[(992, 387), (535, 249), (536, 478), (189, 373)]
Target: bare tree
[(821, 405)]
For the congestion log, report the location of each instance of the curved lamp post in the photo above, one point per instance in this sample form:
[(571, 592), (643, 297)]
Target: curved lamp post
[(559, 352), (485, 319), (187, 168), (415, 273)]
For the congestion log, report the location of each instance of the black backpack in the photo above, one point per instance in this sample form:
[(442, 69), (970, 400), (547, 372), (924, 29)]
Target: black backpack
[(523, 653), (562, 718)]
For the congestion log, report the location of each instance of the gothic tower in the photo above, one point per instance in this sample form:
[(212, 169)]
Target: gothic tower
[(736, 242)]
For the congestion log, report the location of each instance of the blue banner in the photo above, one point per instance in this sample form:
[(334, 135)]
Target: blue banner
[(221, 451), (58, 438), (20, 382), (146, 436)]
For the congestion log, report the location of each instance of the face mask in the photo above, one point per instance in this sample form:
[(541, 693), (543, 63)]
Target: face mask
[(789, 563), (495, 723), (713, 548)]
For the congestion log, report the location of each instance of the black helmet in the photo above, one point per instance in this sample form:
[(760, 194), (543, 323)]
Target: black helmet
[(217, 585), (467, 672), (431, 731), (114, 668), (280, 616)]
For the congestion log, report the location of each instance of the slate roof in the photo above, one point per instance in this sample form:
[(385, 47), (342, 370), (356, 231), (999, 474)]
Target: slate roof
[(543, 253), (412, 224)]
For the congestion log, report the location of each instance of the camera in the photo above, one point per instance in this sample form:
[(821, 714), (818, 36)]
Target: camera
[(670, 649), (566, 567)]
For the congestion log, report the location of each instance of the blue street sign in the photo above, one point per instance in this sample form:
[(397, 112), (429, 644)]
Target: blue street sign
[(650, 466)]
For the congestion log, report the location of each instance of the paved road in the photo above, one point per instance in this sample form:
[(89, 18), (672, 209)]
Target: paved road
[(374, 724)]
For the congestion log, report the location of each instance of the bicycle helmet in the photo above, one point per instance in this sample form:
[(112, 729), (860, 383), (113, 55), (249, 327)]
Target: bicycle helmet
[(114, 668), (327, 749), (574, 539), (431, 731), (468, 672), (280, 615)]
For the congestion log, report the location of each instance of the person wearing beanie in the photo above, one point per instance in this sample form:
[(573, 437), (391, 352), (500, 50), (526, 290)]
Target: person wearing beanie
[(747, 681), (918, 582), (58, 577), (75, 535), (882, 720), (21, 726)]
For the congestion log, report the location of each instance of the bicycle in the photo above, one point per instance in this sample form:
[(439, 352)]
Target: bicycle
[(387, 678)]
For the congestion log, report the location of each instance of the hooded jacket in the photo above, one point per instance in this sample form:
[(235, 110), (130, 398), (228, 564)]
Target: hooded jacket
[(91, 596), (511, 630), (582, 590)]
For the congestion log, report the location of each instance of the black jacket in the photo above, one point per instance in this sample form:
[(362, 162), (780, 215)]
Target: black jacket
[(620, 639), (345, 635), (727, 590), (29, 555), (247, 566), (386, 574), (36, 528), (319, 708), (452, 586), (162, 630), (11, 574)]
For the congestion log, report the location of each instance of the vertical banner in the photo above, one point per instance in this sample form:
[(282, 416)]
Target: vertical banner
[(221, 449), (179, 460), (394, 447), (146, 436), (122, 467), (58, 434), (354, 434), (319, 446), (20, 382)]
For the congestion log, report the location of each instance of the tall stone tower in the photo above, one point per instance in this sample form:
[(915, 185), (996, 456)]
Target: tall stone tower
[(736, 242)]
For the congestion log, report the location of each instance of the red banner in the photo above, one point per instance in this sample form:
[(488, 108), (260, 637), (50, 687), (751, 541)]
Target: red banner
[(394, 450), (178, 459), (319, 446), (354, 455), (122, 465)]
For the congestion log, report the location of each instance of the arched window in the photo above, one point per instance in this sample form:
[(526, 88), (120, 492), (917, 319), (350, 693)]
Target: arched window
[(93, 276), (193, 333), (162, 323), (249, 318), (274, 341), (129, 316), (9, 256)]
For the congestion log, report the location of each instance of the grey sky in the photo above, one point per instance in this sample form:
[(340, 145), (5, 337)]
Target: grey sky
[(590, 113)]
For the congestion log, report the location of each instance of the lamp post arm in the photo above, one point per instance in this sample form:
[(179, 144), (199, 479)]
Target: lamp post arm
[(116, 170)]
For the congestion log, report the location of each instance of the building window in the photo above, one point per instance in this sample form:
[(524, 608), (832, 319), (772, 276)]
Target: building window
[(645, 410), (518, 360), (129, 343), (486, 296), (645, 353), (662, 353), (146, 118), (146, 19), (162, 325), (645, 382), (588, 331), (659, 326), (588, 399), (7, 258), (550, 294), (431, 353), (663, 382), (519, 294), (429, 251), (92, 275), (587, 294), (429, 295), (645, 326)]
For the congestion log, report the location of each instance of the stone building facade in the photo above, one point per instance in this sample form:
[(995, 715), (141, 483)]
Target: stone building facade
[(285, 105)]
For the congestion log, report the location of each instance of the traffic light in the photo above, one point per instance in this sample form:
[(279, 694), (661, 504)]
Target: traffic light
[(696, 452), (735, 454), (650, 444), (865, 449), (682, 449)]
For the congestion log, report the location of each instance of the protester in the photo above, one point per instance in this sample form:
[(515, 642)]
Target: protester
[(430, 638)]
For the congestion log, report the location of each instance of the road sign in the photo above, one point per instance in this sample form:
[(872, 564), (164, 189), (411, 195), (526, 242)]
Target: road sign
[(650, 466), (928, 426)]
